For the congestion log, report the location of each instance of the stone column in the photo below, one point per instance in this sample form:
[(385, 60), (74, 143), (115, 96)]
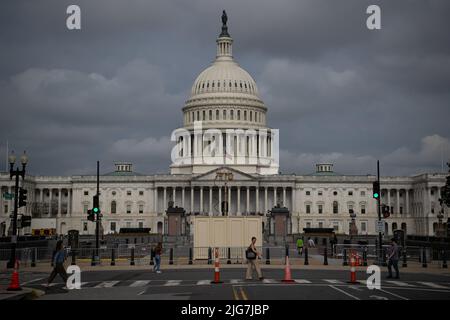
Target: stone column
[(265, 200), (50, 202), (407, 203), (174, 193), (293, 208), (389, 198), (220, 201), (398, 201), (156, 199), (201, 200), (164, 198), (59, 203), (182, 196), (284, 196), (69, 202), (239, 213), (210, 200), (274, 196), (229, 201), (192, 199), (248, 200), (257, 199)]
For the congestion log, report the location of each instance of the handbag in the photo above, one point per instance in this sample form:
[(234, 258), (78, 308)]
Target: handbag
[(250, 254)]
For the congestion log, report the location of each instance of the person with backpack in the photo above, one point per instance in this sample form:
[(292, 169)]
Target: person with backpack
[(157, 257), (58, 264), (252, 256)]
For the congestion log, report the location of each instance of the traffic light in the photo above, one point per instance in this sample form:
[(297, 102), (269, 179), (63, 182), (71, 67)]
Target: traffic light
[(25, 221), (91, 215), (376, 190), (22, 197), (96, 206)]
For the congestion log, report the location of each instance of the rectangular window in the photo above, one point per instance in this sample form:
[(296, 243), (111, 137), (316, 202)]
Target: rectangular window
[(224, 114), (85, 226), (128, 193), (308, 208), (128, 224), (319, 193), (141, 224), (363, 193), (245, 115), (6, 208), (350, 193), (204, 115), (86, 193), (308, 224), (308, 193), (141, 208), (363, 227), (320, 207), (113, 226), (350, 208), (363, 209), (232, 115), (320, 224), (128, 208), (141, 193), (401, 210), (336, 226)]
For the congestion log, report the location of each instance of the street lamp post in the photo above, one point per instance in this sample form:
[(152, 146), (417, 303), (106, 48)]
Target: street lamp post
[(15, 173)]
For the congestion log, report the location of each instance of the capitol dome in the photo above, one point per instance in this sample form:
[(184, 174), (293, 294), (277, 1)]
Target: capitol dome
[(224, 95)]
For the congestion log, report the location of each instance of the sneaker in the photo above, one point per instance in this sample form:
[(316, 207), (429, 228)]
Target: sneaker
[(159, 271), (262, 278)]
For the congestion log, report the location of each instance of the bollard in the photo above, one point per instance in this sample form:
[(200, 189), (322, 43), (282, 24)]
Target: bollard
[(33, 258), (73, 258), (424, 258), (229, 256), (345, 263), (287, 251), (132, 257), (152, 256), (325, 256), (365, 257), (171, 256), (209, 256), (306, 256), (190, 255), (267, 256), (113, 257), (444, 260), (93, 258), (405, 264)]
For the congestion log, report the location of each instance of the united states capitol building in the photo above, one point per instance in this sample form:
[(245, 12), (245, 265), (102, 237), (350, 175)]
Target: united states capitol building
[(225, 155)]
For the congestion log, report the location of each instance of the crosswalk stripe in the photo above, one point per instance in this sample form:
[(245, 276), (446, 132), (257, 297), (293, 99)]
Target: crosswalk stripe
[(400, 283), (236, 281), (140, 283), (172, 283), (302, 281), (203, 282), (269, 281), (333, 281), (107, 284), (434, 285)]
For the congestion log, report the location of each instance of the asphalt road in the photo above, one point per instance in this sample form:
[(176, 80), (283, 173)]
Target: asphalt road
[(195, 284)]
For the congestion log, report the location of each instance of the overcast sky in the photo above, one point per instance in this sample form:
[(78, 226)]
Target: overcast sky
[(337, 91)]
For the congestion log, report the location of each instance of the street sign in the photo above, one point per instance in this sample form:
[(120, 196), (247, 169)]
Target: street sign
[(380, 226), (8, 196)]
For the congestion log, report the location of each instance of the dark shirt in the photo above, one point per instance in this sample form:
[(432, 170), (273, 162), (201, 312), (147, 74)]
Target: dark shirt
[(393, 252)]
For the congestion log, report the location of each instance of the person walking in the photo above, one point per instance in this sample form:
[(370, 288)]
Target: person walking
[(311, 243), (158, 252), (392, 258), (58, 264), (252, 256), (300, 246)]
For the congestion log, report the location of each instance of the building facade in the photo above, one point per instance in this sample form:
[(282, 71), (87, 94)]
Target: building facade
[(226, 153)]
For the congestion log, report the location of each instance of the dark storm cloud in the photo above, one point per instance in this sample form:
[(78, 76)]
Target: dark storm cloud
[(115, 89)]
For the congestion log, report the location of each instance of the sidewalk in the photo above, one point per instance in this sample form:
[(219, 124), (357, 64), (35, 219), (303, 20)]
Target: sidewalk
[(25, 293)]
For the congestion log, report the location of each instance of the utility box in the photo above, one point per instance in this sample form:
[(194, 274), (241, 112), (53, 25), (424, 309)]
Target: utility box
[(225, 232)]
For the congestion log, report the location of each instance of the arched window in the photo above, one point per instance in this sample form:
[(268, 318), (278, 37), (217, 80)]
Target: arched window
[(394, 226), (239, 114), (210, 115), (217, 114), (224, 114), (113, 207), (335, 207)]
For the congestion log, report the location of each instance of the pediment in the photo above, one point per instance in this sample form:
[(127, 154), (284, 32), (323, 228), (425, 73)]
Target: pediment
[(213, 175)]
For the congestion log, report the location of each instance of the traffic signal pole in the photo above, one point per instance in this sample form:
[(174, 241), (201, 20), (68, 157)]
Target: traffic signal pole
[(380, 236), (12, 258), (97, 221)]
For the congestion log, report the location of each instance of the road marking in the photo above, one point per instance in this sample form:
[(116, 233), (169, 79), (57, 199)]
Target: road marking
[(171, 283), (333, 281), (203, 282), (302, 281), (244, 296), (31, 281), (395, 295), (236, 281), (269, 281), (400, 283), (378, 297), (433, 285), (346, 293), (140, 283), (107, 284)]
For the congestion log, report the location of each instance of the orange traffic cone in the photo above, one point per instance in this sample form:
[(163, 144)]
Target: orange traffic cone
[(353, 270), (216, 268), (15, 284), (287, 272)]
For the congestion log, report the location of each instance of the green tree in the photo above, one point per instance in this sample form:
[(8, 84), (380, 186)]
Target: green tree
[(445, 192)]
